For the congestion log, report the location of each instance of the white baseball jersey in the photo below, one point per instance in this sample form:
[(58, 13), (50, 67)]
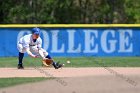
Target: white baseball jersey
[(27, 41)]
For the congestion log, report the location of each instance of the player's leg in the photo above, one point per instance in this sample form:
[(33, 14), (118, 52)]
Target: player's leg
[(20, 56)]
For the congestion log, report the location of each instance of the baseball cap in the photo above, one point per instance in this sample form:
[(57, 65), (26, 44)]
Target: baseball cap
[(36, 31)]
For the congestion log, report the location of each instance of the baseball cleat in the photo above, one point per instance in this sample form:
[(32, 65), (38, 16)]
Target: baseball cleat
[(20, 66), (60, 66), (57, 65)]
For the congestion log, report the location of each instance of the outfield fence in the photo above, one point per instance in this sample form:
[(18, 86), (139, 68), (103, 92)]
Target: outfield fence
[(73, 40)]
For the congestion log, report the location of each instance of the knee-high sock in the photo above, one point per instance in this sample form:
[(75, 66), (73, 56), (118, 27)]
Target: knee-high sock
[(20, 57)]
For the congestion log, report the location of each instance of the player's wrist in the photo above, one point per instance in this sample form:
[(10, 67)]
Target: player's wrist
[(44, 58), (34, 56)]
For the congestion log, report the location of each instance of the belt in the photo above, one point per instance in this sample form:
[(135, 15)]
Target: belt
[(32, 45)]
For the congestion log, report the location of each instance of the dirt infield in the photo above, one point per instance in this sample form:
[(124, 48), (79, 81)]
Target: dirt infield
[(76, 80), (66, 72)]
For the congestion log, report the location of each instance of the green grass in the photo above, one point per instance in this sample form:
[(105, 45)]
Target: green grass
[(6, 82), (77, 61)]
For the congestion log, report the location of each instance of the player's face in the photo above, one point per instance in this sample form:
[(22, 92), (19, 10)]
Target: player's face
[(35, 36)]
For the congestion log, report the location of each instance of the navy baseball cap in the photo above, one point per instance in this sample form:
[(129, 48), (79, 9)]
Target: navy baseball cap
[(36, 31)]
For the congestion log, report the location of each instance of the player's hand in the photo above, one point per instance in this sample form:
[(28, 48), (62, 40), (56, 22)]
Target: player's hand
[(47, 62), (35, 56), (44, 58)]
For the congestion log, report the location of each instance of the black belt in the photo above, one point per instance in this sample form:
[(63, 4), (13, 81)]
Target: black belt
[(31, 45)]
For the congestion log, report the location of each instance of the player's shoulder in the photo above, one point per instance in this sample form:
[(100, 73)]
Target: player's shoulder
[(39, 39), (27, 37)]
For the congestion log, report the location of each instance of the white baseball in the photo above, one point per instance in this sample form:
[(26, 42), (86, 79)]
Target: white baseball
[(68, 61)]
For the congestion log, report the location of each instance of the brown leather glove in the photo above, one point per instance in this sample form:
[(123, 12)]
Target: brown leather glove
[(47, 62)]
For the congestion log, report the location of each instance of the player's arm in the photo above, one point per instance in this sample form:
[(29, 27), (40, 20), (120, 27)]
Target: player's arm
[(39, 46), (30, 53), (26, 46)]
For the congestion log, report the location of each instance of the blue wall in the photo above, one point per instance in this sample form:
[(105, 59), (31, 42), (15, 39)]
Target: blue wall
[(77, 41)]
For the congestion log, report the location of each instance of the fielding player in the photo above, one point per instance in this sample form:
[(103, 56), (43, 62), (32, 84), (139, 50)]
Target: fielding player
[(31, 44)]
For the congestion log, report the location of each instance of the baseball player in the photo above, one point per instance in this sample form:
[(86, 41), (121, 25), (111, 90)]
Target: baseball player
[(31, 44)]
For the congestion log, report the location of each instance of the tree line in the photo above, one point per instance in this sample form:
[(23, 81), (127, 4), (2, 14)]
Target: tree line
[(69, 11)]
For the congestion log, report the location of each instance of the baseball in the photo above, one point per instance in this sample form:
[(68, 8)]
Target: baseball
[(68, 61)]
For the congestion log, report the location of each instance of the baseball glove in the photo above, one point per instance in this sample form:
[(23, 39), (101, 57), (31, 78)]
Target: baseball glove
[(47, 62)]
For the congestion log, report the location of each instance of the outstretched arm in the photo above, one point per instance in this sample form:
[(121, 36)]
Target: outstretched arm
[(41, 54), (30, 53), (40, 49)]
